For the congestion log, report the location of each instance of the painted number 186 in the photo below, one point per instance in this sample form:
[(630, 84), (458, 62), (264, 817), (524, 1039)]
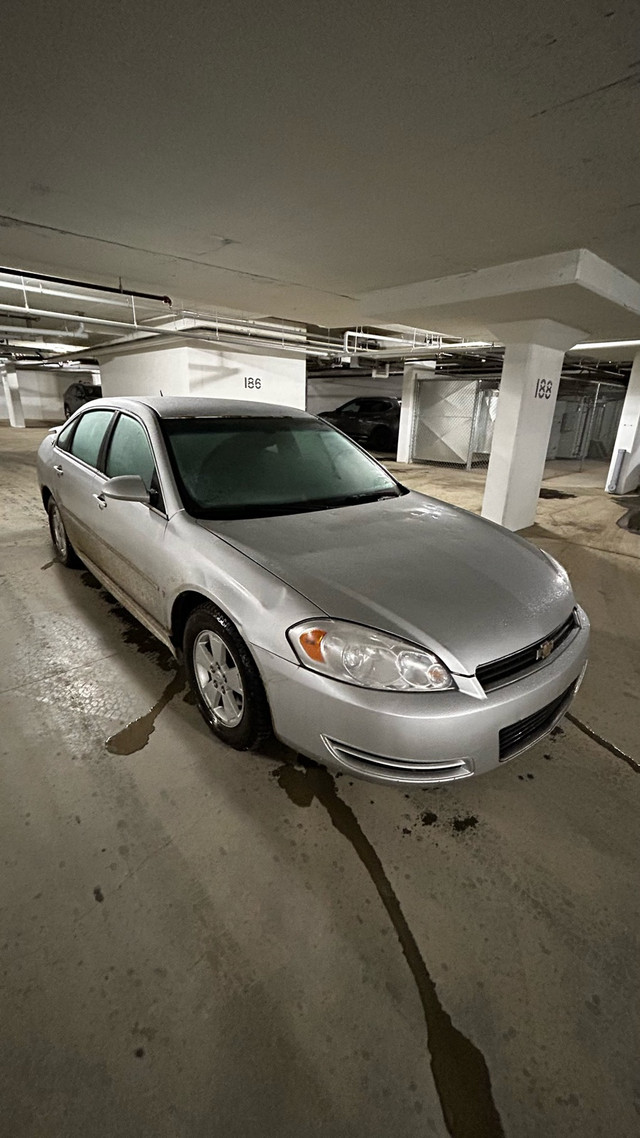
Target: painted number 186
[(544, 387), (249, 381)]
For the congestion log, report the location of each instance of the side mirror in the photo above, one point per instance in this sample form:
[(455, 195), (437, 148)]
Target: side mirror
[(127, 488)]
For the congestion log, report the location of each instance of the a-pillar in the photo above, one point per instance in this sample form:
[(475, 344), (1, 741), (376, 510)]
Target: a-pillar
[(11, 391), (533, 358), (624, 475)]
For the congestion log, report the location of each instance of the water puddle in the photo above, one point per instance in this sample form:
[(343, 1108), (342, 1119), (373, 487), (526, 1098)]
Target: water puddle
[(459, 1069), (136, 735), (630, 520), (548, 492)]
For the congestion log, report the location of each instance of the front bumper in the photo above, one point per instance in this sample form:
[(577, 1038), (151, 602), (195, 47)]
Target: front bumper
[(419, 738)]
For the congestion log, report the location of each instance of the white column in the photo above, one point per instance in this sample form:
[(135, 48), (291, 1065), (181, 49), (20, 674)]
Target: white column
[(533, 358), (412, 373), (178, 368), (628, 439), (12, 395)]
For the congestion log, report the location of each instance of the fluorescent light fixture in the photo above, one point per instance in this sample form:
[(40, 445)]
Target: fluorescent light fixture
[(605, 344)]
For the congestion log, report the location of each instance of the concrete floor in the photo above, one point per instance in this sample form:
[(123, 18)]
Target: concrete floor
[(201, 943)]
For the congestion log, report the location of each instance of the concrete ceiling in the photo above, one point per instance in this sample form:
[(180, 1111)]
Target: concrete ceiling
[(288, 159)]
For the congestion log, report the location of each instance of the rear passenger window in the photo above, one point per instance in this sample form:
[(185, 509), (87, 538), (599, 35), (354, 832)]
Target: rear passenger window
[(88, 435), (130, 452)]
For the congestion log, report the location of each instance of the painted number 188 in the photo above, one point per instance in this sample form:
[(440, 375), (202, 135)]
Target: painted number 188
[(544, 387)]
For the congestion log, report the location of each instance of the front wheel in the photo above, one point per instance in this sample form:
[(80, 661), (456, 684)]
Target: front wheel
[(381, 439), (63, 547), (225, 680)]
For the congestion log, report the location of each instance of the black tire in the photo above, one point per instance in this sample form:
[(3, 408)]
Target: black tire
[(63, 547), (67, 410), (214, 649), (381, 439)]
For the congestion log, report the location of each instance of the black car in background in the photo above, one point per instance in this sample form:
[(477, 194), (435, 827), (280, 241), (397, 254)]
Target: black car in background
[(79, 393), (372, 420)]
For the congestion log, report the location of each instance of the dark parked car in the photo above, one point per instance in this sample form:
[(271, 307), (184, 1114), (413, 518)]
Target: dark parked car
[(79, 393), (371, 420)]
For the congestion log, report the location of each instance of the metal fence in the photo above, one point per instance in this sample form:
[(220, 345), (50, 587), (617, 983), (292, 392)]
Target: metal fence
[(454, 420)]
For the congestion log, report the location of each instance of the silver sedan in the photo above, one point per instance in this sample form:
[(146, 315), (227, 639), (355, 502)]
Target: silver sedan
[(310, 594)]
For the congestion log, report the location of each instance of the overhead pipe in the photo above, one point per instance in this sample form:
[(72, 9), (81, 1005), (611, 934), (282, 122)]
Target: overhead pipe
[(145, 335), (17, 330), (291, 341), (87, 285)]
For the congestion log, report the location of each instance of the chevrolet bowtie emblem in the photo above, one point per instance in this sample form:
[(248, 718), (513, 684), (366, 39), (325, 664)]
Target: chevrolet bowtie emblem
[(545, 649)]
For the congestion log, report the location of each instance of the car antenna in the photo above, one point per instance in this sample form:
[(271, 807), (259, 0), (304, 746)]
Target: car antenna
[(160, 390)]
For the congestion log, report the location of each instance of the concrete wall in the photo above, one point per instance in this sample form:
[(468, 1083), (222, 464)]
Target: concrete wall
[(261, 378), (327, 394), (41, 394), (146, 371)]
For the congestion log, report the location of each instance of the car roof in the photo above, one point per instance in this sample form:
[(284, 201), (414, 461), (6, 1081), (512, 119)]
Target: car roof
[(195, 407)]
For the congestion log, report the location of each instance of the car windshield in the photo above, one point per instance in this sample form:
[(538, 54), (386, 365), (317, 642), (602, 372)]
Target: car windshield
[(253, 467)]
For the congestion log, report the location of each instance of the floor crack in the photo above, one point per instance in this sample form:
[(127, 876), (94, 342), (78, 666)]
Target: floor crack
[(611, 747)]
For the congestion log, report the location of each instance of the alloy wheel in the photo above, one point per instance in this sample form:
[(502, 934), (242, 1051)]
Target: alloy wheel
[(218, 678)]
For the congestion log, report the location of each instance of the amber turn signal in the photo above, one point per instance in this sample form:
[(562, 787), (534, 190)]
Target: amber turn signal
[(311, 641)]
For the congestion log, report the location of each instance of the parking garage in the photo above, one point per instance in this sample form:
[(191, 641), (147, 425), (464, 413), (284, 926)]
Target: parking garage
[(198, 940)]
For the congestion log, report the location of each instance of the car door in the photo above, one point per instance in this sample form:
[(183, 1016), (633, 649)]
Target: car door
[(76, 481), (347, 417), (131, 534)]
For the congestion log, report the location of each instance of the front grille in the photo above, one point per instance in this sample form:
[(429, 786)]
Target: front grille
[(397, 770), (508, 668), (521, 734)]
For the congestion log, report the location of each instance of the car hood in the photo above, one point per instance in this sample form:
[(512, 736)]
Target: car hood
[(415, 567)]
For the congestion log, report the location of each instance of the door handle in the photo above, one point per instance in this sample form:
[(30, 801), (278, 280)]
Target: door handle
[(101, 500), (59, 471)]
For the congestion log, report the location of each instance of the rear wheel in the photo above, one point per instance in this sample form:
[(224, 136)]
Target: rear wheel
[(225, 680), (63, 547)]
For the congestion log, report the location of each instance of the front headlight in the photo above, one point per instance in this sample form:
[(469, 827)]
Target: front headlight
[(370, 659)]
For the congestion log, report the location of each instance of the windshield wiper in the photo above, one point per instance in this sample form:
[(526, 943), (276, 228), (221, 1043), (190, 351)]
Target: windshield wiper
[(369, 496), (277, 509)]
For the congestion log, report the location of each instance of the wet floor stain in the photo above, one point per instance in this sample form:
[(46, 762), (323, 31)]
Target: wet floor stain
[(428, 818), (547, 492), (459, 825), (459, 1069), (630, 520), (98, 894), (48, 564), (602, 742), (144, 641), (134, 633), (136, 735)]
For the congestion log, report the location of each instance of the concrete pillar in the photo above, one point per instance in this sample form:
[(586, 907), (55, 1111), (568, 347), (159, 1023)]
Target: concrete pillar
[(627, 478), (179, 368), (11, 391), (533, 358), (412, 373)]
